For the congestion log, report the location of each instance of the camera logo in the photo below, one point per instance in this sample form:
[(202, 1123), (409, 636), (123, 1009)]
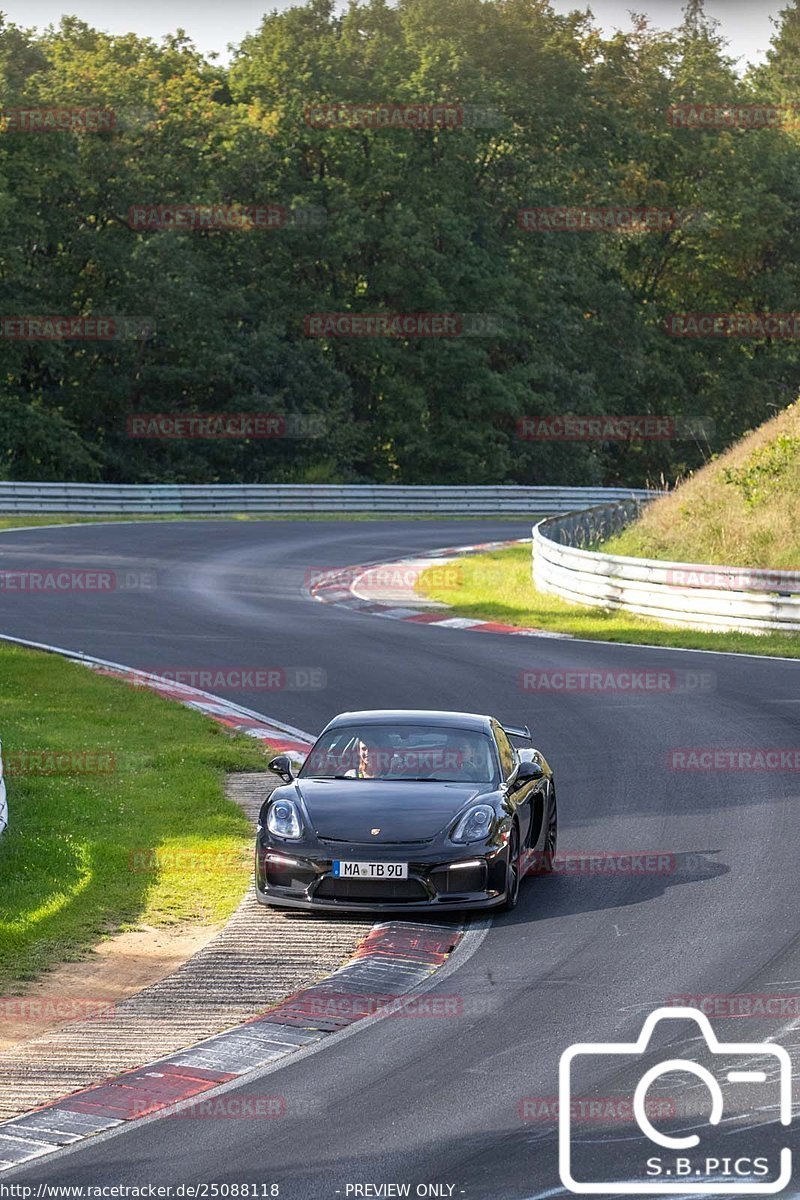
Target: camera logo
[(737, 1065)]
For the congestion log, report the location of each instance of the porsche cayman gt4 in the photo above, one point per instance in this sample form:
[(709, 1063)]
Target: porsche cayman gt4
[(404, 811)]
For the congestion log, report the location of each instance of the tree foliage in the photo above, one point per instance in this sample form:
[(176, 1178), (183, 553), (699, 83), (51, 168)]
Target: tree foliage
[(393, 220)]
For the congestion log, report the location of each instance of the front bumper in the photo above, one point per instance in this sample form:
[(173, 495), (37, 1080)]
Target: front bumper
[(465, 881)]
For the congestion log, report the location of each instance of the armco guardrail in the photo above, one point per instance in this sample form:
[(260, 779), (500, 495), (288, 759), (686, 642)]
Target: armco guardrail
[(693, 594), (115, 498), (3, 797)]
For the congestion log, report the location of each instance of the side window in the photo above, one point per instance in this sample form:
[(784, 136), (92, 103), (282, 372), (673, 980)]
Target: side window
[(508, 757)]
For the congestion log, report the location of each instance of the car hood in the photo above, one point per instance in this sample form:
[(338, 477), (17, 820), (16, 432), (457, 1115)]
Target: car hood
[(349, 809)]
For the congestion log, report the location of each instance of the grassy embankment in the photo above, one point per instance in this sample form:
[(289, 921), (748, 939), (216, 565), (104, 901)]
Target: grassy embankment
[(741, 510)]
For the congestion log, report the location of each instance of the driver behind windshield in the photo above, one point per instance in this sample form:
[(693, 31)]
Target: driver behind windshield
[(367, 760), (463, 759), (403, 753)]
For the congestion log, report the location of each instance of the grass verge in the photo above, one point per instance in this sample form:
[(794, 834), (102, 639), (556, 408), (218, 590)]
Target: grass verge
[(498, 587), (143, 835), (740, 510)]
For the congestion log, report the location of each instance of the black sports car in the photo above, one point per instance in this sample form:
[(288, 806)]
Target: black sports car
[(407, 810)]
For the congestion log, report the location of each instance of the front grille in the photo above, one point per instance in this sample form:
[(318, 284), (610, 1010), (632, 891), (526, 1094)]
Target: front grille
[(368, 891)]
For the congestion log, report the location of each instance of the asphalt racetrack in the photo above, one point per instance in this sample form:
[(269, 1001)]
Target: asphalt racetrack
[(466, 1102)]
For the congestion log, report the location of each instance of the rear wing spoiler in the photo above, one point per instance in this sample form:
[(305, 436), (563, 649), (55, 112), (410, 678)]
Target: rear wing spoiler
[(520, 733)]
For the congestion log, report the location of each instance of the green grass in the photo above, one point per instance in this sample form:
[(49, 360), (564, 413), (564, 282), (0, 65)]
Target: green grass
[(87, 855), (498, 587), (741, 510)]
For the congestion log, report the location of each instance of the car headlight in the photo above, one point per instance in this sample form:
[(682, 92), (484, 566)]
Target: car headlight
[(475, 825), (283, 819)]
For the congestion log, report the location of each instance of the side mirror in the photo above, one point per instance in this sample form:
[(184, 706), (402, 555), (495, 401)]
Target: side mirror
[(282, 765), (526, 772)]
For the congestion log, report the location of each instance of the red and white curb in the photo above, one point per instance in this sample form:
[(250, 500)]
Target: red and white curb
[(386, 589), (394, 958)]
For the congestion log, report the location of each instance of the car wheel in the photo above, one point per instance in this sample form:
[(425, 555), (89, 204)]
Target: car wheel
[(545, 860), (512, 873)]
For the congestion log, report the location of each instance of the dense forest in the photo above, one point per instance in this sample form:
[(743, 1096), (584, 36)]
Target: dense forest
[(406, 168)]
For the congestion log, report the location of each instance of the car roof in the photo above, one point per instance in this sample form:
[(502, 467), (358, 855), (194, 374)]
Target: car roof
[(414, 716)]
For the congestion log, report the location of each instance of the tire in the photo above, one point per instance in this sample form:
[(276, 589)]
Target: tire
[(544, 860), (512, 874)]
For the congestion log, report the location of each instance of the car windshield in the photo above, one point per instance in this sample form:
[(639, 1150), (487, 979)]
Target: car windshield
[(403, 752)]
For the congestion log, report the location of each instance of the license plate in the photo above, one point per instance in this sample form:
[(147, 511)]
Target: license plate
[(368, 870)]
